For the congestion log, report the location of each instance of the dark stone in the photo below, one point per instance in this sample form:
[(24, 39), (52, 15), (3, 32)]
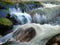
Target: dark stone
[(5, 29), (55, 40), (5, 26)]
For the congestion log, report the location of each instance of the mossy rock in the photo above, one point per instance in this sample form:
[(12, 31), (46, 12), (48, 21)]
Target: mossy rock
[(5, 25), (5, 21)]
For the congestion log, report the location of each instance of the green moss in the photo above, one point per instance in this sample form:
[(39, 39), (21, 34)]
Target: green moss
[(5, 22), (45, 10), (32, 12), (32, 2), (6, 3)]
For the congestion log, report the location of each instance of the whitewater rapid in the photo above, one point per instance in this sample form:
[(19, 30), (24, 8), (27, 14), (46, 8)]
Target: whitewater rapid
[(43, 33)]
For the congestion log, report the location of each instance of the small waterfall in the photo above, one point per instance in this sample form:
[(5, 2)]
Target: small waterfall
[(24, 18), (37, 18), (50, 14), (21, 18)]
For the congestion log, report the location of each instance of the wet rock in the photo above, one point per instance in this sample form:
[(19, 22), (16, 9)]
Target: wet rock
[(5, 25), (27, 6), (25, 36), (55, 40)]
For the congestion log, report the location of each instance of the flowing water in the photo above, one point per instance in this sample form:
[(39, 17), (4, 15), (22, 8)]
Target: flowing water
[(20, 17), (24, 18), (39, 18), (42, 36), (49, 14)]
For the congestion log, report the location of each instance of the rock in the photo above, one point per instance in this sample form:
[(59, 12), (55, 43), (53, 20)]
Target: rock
[(5, 25), (25, 36), (55, 40), (27, 6)]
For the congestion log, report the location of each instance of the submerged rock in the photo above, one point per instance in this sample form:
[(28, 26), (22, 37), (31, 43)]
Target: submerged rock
[(5, 25)]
